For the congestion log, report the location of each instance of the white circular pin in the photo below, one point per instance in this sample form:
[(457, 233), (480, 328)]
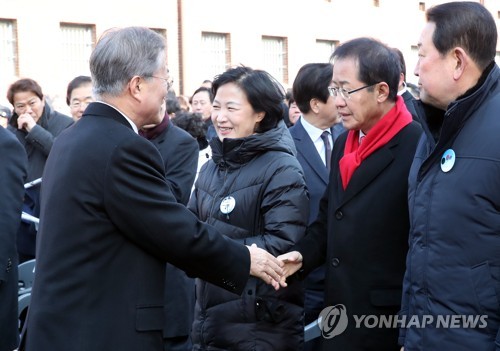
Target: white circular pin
[(448, 160), (227, 204)]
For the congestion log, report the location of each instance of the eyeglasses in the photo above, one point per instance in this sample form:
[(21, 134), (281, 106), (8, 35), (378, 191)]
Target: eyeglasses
[(77, 104), (169, 81), (346, 94)]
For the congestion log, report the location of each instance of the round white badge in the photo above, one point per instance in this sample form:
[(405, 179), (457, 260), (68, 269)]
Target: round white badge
[(227, 204), (448, 160)]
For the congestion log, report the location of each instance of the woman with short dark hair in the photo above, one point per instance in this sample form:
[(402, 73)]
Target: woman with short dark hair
[(253, 191)]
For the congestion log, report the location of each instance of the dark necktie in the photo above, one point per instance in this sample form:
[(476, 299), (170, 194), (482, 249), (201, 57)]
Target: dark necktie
[(328, 148)]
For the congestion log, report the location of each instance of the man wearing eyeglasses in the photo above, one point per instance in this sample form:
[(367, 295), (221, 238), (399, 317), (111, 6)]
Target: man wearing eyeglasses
[(109, 220), (361, 231)]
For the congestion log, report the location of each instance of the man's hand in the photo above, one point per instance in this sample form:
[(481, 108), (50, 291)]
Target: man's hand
[(292, 263), (265, 266), (26, 122)]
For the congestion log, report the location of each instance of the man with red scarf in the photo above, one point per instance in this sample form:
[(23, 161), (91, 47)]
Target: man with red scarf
[(361, 231)]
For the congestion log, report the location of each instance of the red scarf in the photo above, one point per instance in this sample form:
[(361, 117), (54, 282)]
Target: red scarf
[(383, 131)]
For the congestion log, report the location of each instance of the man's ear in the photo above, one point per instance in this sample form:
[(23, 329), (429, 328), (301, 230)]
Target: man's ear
[(134, 86), (314, 104), (382, 90), (461, 62)]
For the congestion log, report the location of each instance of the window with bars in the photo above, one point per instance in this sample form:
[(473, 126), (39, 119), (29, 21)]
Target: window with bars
[(215, 50), (324, 49), (77, 42), (8, 49), (275, 58)]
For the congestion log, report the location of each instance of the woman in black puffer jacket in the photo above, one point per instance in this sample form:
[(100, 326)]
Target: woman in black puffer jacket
[(253, 191)]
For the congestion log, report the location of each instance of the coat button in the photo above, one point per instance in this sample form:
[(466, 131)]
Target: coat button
[(335, 262), (339, 214)]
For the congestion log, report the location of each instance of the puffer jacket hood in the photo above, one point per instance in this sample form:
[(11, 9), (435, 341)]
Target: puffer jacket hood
[(232, 153)]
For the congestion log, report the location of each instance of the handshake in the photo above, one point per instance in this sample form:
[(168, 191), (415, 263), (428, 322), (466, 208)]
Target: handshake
[(273, 270)]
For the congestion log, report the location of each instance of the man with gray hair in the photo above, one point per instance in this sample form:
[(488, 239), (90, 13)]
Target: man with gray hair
[(109, 220)]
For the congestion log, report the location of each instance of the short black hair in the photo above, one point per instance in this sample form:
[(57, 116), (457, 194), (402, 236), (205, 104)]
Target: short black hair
[(76, 83), (263, 92), (465, 24), (207, 90), (312, 82), (376, 62), (402, 63)]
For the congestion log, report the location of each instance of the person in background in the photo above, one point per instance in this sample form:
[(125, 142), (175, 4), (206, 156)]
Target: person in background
[(253, 191), (5, 114), (293, 111), (110, 222), (201, 102), (453, 264), (314, 135), (172, 105), (179, 152), (207, 83), (193, 124), (13, 168), (403, 90), (79, 96), (413, 89), (361, 231), (36, 125), (286, 118), (184, 103)]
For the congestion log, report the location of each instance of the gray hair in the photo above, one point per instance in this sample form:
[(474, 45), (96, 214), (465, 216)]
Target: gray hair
[(123, 53)]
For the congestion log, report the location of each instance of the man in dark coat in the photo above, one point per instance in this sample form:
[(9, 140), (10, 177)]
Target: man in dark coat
[(36, 125), (319, 120), (453, 266), (13, 164), (362, 228), (109, 221), (179, 151)]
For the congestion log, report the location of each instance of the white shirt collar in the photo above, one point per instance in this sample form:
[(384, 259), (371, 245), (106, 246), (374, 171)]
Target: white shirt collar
[(315, 135), (314, 132), (361, 135), (134, 127)]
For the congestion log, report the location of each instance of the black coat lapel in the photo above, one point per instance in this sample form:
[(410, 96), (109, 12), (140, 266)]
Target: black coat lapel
[(367, 171)]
